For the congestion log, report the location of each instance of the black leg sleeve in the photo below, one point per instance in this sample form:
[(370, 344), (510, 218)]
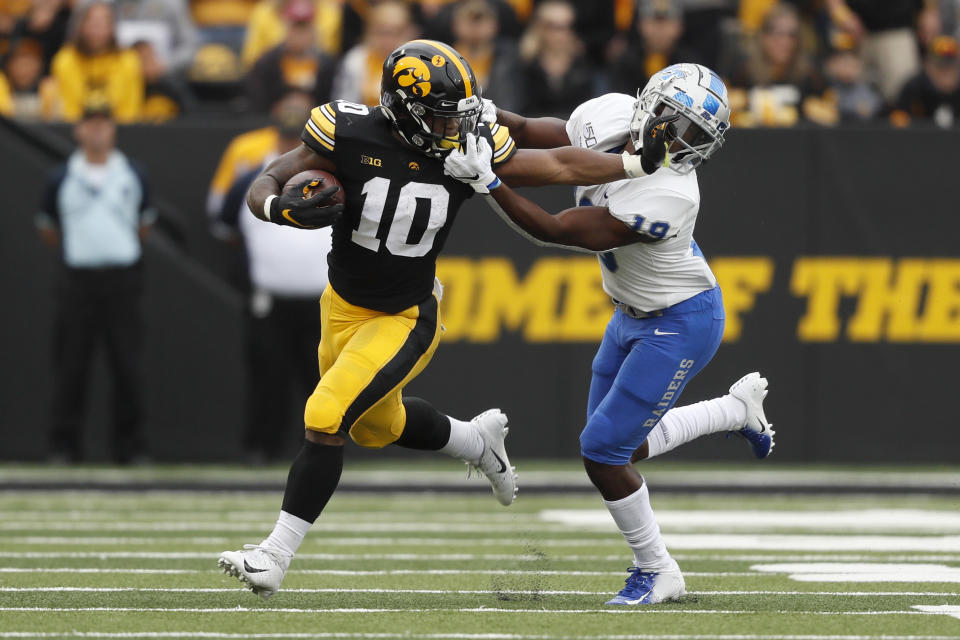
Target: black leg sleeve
[(427, 429), (314, 476)]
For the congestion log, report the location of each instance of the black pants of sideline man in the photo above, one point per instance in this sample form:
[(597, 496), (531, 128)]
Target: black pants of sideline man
[(98, 307), (282, 370)]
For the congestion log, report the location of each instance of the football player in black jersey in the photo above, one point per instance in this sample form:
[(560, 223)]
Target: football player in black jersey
[(379, 312)]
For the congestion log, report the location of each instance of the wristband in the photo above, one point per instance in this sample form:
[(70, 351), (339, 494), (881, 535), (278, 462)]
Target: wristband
[(633, 165), (480, 187), (266, 207)]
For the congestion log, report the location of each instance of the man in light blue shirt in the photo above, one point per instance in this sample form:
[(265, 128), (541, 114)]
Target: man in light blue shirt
[(96, 209)]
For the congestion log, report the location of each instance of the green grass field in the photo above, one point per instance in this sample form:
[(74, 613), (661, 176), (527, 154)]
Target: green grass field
[(435, 565)]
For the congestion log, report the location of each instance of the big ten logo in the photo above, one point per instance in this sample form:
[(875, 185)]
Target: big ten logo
[(897, 300), (561, 299), (375, 162)]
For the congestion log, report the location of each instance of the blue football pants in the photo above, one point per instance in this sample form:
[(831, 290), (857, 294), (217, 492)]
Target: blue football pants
[(641, 369)]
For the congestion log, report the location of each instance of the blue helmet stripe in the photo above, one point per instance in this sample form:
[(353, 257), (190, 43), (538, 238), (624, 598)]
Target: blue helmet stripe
[(711, 104), (717, 86), (683, 98)]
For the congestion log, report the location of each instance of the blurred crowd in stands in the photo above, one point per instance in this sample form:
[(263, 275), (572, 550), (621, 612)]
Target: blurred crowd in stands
[(97, 63), (785, 61)]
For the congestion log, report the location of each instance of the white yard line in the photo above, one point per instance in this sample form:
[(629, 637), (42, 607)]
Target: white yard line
[(525, 543), (523, 556), (863, 520), (814, 557), (377, 572), (197, 555), (111, 540), (557, 520), (93, 570), (943, 609), (676, 541), (625, 610), (510, 572), (551, 592), (799, 542), (242, 527), (441, 636), (752, 520), (331, 541), (206, 515), (862, 571)]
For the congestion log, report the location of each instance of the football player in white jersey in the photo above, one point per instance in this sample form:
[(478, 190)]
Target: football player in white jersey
[(669, 315)]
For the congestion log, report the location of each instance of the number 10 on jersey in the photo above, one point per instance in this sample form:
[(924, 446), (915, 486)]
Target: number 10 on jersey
[(375, 194)]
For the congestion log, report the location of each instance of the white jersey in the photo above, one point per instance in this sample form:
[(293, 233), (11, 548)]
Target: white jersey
[(646, 276)]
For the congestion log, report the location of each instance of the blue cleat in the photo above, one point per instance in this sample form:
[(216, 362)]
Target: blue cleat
[(651, 587), (751, 389)]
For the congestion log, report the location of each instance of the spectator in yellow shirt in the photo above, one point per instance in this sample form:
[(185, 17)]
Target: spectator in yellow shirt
[(494, 60), (22, 83), (244, 153), (389, 24), (10, 12), (90, 67), (297, 63), (774, 81), (267, 28), (248, 150)]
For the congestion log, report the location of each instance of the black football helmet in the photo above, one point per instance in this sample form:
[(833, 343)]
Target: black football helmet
[(430, 94)]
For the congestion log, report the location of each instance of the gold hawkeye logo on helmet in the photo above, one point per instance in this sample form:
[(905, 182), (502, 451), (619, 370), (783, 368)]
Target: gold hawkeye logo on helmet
[(413, 73)]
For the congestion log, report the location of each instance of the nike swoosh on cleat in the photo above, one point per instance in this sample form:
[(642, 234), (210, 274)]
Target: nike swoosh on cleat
[(249, 569), (503, 467), (657, 332)]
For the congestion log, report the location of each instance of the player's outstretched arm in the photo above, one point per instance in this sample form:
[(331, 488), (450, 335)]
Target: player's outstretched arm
[(567, 165), (271, 181), (575, 166), (534, 133), (591, 228)]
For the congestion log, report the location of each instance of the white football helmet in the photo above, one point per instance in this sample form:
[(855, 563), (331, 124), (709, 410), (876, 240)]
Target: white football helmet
[(700, 97)]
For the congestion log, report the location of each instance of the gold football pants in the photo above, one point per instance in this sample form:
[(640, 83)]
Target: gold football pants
[(366, 358)]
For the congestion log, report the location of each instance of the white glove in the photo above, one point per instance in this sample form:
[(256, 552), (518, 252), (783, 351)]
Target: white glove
[(471, 165), (489, 113)]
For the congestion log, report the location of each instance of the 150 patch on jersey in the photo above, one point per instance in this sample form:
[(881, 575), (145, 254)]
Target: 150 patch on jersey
[(589, 137)]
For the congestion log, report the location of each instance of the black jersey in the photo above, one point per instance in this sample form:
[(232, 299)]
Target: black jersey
[(399, 209)]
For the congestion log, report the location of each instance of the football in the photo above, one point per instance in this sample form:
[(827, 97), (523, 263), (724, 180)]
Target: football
[(325, 180)]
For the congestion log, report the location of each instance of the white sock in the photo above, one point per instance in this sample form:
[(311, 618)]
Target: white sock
[(683, 424), (635, 519), (287, 534), (465, 441)]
